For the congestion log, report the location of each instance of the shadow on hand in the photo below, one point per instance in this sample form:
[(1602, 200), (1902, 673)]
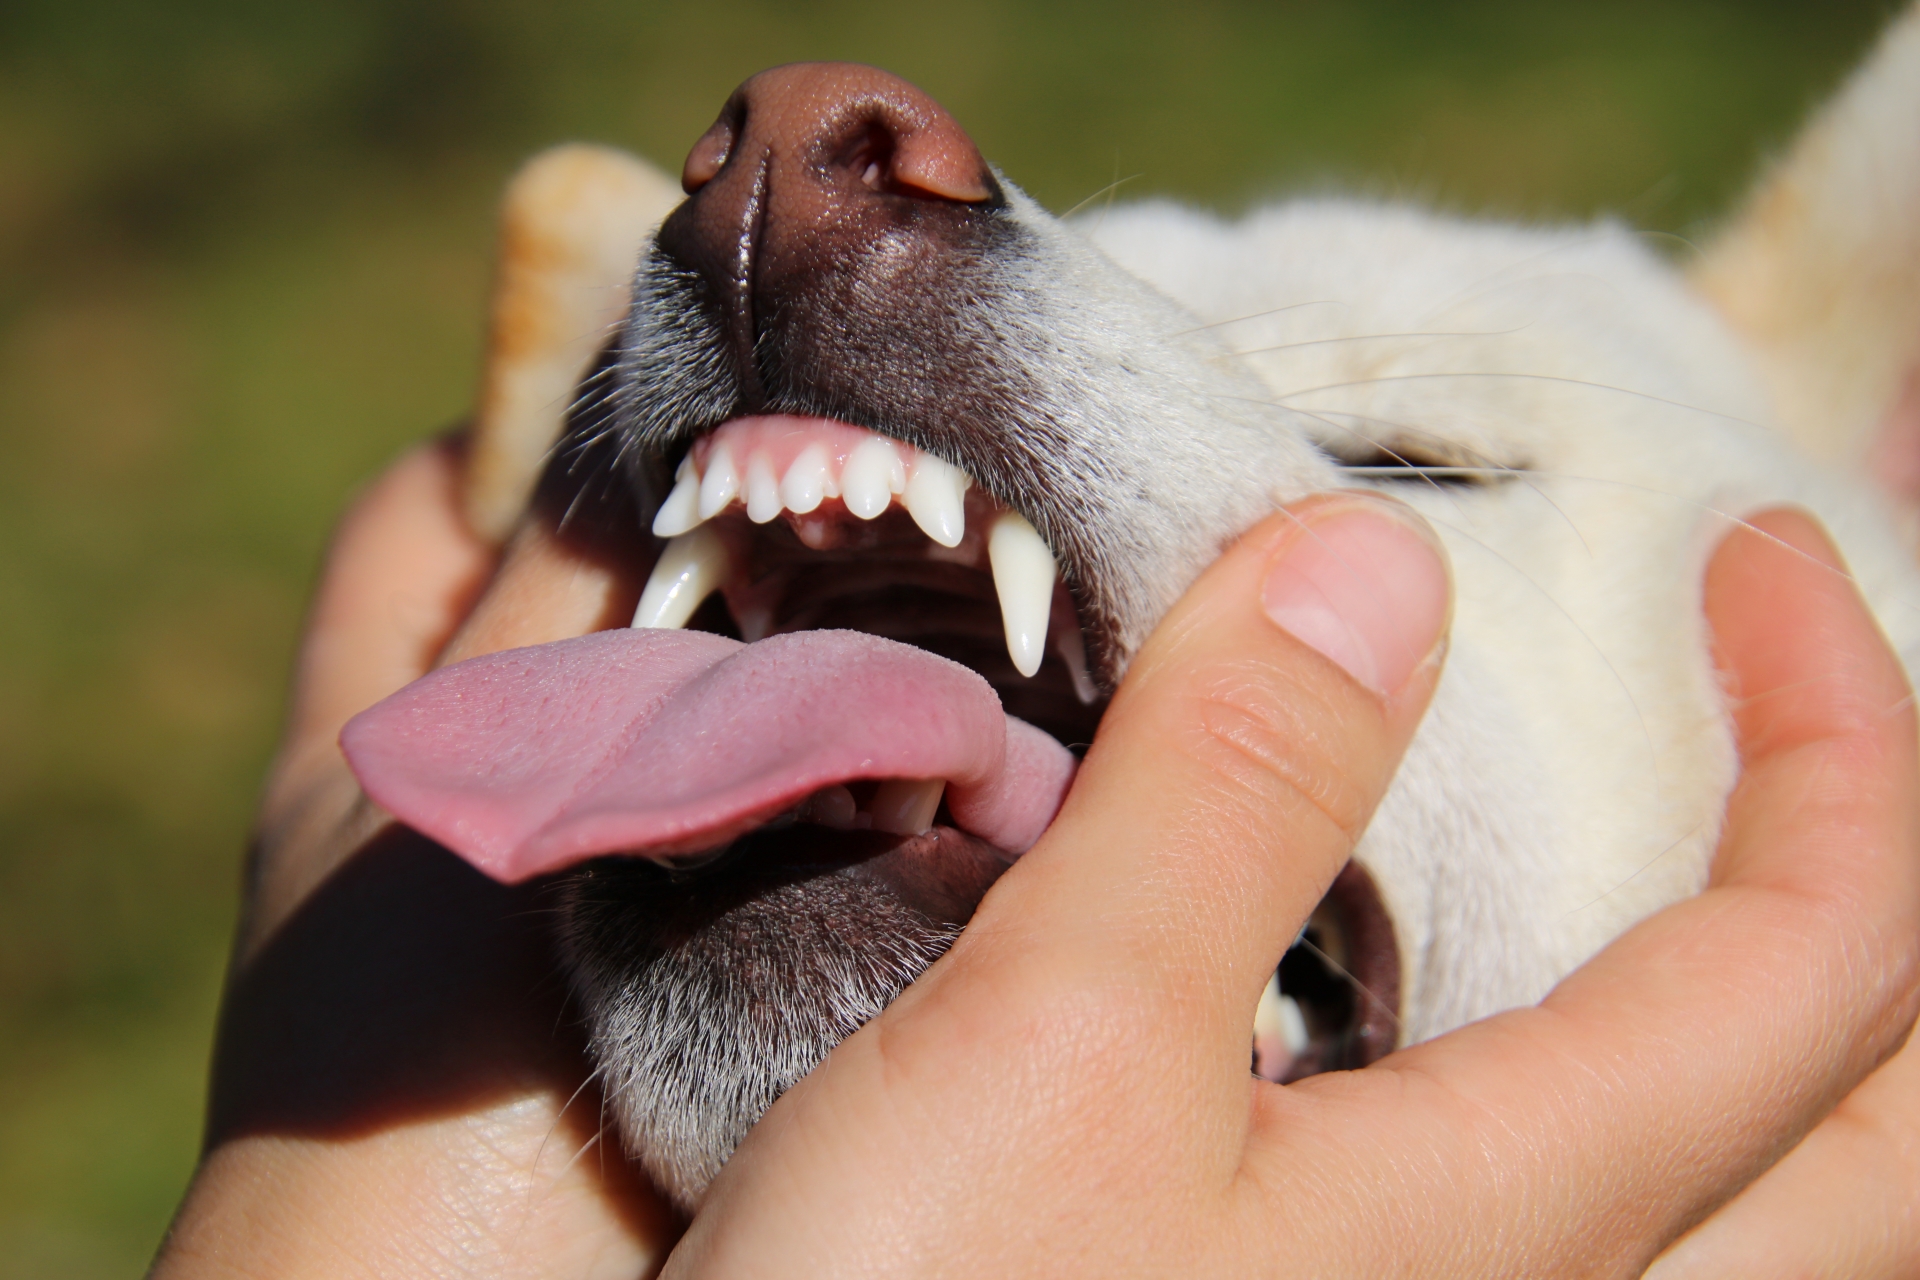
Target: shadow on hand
[(408, 986)]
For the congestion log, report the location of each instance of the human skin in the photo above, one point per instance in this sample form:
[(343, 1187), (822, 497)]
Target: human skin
[(1067, 1090)]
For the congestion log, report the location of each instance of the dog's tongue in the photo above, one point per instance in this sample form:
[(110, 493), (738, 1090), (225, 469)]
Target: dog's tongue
[(660, 742)]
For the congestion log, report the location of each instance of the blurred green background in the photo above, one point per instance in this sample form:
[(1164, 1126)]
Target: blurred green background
[(243, 255)]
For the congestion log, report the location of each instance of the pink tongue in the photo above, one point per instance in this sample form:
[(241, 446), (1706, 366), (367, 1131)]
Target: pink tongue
[(526, 761)]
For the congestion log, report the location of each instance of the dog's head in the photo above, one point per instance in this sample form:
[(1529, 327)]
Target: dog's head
[(865, 386), (910, 470)]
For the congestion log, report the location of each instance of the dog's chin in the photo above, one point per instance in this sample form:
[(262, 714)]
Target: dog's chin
[(712, 992)]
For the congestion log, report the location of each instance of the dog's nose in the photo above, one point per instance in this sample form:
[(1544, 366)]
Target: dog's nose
[(840, 131), (810, 171)]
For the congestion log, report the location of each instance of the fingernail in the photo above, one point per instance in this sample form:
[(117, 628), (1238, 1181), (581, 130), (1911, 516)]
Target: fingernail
[(1363, 581)]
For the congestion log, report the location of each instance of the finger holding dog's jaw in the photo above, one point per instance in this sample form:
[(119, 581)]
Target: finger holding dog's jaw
[(553, 584), (1679, 1063), (1071, 1081), (1066, 1090)]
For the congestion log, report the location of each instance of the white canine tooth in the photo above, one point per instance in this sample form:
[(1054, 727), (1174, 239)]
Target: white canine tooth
[(873, 474), (806, 480), (936, 499), (905, 806), (763, 490), (720, 485), (1023, 573), (681, 511), (693, 566)]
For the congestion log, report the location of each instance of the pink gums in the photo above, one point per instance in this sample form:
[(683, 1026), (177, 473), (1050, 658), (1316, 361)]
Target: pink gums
[(783, 437)]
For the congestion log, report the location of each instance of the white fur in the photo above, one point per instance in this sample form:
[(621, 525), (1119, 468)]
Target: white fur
[(1570, 776)]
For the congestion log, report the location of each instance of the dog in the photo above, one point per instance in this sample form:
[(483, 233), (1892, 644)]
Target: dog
[(912, 467)]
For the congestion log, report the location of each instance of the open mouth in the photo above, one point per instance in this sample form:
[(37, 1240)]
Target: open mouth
[(848, 660), (805, 524)]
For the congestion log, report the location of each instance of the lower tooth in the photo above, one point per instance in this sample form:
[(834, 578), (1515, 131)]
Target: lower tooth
[(1023, 574), (831, 807), (1280, 1032), (905, 806), (692, 567), (1072, 648)]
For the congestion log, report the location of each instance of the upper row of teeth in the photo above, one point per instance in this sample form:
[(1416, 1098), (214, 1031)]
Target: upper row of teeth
[(933, 491), (697, 562)]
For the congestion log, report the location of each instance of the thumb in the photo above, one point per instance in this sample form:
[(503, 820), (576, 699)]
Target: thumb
[(1240, 761)]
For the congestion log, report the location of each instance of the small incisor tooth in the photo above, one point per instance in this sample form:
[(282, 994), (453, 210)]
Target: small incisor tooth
[(681, 511), (763, 490), (692, 567), (720, 485), (806, 481), (936, 499), (872, 476), (1023, 574), (905, 806)]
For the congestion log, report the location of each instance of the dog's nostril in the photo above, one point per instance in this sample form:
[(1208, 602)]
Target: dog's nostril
[(708, 157)]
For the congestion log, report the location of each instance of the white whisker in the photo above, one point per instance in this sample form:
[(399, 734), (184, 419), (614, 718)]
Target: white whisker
[(1529, 377), (1256, 315), (1372, 337)]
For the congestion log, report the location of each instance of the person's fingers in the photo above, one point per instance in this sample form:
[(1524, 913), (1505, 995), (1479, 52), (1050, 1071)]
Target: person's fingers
[(1843, 1203), (1797, 966), (401, 573), (392, 1024), (548, 588), (1841, 1206)]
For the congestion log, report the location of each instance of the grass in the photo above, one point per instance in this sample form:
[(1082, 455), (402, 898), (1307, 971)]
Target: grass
[(243, 255)]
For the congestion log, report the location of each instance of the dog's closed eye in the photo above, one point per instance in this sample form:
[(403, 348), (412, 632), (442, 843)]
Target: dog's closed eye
[(1396, 463)]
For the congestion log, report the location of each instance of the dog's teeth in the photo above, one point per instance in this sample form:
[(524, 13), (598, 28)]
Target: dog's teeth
[(1023, 573), (763, 490), (681, 511), (936, 499), (720, 485), (1072, 648), (1278, 1024), (806, 481), (831, 807), (905, 806), (692, 567), (872, 476)]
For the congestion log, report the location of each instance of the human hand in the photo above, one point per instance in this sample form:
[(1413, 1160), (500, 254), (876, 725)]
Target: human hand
[(412, 1116), (392, 1080), (1066, 1092)]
